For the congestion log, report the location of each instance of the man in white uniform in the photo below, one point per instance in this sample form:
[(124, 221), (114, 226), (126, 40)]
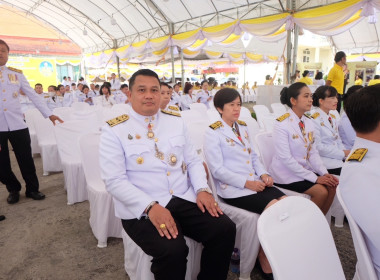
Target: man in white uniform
[(360, 176), (146, 159), (204, 96), (115, 83), (14, 129)]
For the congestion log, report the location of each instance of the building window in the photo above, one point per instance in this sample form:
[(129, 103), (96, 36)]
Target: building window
[(306, 55)]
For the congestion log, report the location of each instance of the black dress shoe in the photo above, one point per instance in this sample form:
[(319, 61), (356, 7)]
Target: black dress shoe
[(13, 197), (35, 195), (2, 217), (266, 276)]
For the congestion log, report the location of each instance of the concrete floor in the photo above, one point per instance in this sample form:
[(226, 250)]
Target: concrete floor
[(50, 240)]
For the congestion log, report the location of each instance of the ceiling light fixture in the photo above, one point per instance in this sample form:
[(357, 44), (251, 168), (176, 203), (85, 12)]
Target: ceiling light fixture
[(84, 32), (113, 21)]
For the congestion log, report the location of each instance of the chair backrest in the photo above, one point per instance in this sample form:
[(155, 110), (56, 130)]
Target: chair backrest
[(278, 109), (45, 132), (245, 113), (198, 107), (196, 131), (268, 122), (364, 266), (67, 135), (213, 115), (30, 116), (89, 153), (121, 108), (63, 112), (261, 111), (264, 143), (297, 241), (194, 116), (78, 106)]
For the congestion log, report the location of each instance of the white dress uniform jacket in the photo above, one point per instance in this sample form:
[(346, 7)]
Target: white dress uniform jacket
[(295, 156), (327, 140), (120, 98), (134, 173), (67, 99), (203, 96), (25, 102), (346, 132), (186, 100), (115, 84), (107, 103), (360, 189), (231, 162), (176, 99), (11, 116)]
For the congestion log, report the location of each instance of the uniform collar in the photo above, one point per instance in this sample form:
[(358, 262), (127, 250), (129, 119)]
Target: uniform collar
[(295, 117), (372, 146), (3, 68), (141, 118)]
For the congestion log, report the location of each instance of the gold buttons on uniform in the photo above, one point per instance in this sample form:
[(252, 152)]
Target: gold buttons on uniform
[(4, 99), (140, 160), (171, 191), (168, 173), (250, 174), (5, 109), (247, 161), (244, 149), (304, 157), (3, 90)]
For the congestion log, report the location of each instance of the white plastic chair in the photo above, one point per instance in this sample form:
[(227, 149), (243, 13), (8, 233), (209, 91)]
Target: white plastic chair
[(190, 116), (213, 115), (298, 242), (196, 131), (261, 112), (268, 122), (246, 231), (30, 115), (51, 161), (364, 265), (245, 113), (67, 136), (137, 263), (199, 107), (278, 109), (121, 108), (63, 112), (103, 221), (253, 130)]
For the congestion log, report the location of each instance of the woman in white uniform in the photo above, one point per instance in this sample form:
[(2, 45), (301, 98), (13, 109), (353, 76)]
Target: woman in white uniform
[(296, 164), (187, 97), (107, 100), (327, 140), (241, 180)]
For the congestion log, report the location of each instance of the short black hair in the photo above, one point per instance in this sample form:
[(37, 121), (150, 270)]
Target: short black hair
[(363, 109), (305, 73), (97, 86), (59, 87), (292, 91), (84, 87), (339, 56), (73, 84), (204, 81), (224, 96), (105, 86), (123, 86), (376, 77), (2, 42), (64, 77), (323, 92), (188, 87), (81, 79), (164, 84), (142, 72), (319, 76), (38, 84), (54, 87), (350, 91)]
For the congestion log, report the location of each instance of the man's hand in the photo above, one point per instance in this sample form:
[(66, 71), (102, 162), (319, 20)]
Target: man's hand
[(256, 186), (268, 180), (54, 118), (206, 200), (160, 216)]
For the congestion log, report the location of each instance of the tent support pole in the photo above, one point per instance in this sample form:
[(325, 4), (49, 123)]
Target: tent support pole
[(171, 31), (245, 60), (288, 50), (117, 58), (182, 71), (295, 49)]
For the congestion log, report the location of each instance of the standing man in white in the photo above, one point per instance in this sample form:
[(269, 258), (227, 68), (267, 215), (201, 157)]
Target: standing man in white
[(360, 176), (14, 129), (146, 159), (204, 96)]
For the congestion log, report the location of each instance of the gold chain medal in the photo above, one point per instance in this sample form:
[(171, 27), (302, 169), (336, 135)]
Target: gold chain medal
[(150, 133)]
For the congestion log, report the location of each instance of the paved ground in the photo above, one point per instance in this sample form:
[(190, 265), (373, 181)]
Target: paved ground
[(51, 240)]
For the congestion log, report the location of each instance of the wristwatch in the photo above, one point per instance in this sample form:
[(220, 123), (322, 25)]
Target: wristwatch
[(204, 190), (147, 209)]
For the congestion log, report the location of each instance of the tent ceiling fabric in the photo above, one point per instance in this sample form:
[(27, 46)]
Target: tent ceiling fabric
[(111, 23)]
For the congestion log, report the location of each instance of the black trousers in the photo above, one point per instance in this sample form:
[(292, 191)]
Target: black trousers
[(339, 105), (169, 256), (20, 141)]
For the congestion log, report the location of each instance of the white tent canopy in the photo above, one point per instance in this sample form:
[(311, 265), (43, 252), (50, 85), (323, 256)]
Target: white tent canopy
[(97, 25)]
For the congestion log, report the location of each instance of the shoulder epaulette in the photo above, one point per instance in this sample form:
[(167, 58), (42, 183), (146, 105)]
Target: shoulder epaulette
[(241, 123), (175, 108), (358, 154), (283, 117), (315, 115), (118, 120), (171, 113), (333, 116), (15, 70), (307, 115), (216, 125)]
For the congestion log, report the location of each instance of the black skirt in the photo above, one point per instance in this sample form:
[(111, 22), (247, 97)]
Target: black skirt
[(255, 202), (300, 187)]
